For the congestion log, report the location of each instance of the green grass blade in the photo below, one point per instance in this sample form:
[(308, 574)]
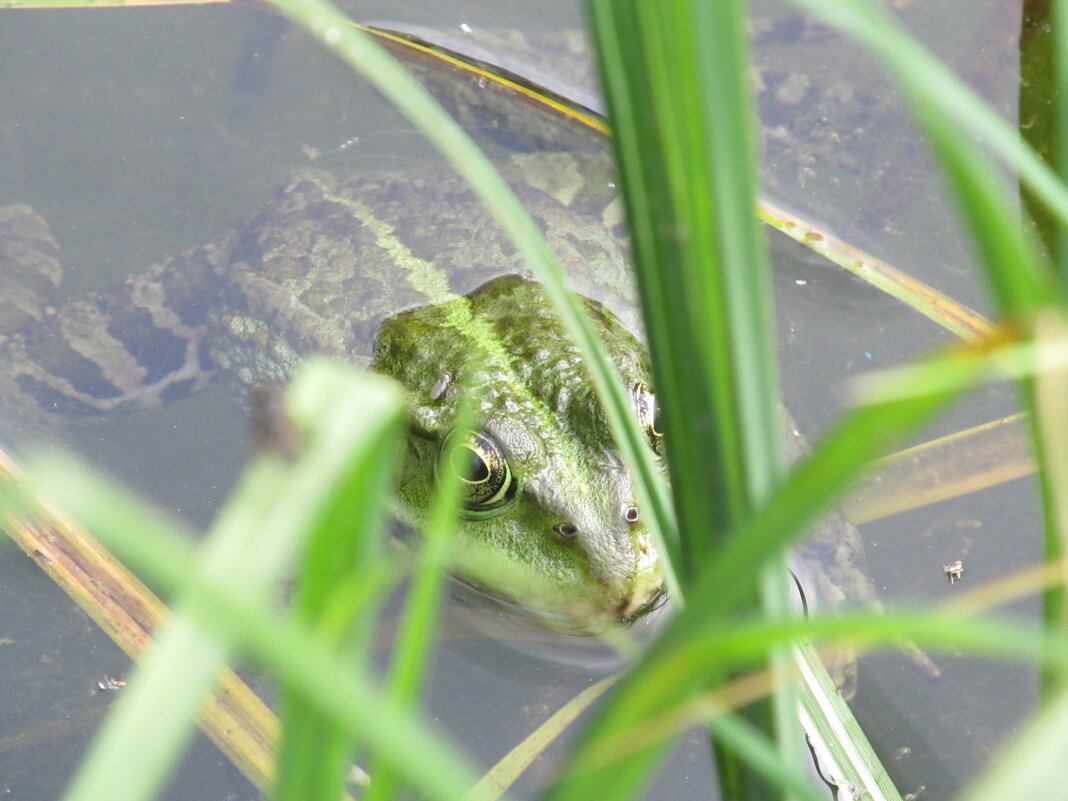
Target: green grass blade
[(762, 755), (1019, 278), (288, 650), (699, 258), (675, 75), (742, 644), (1059, 81), (659, 681), (250, 546), (845, 756), (343, 555), (417, 632)]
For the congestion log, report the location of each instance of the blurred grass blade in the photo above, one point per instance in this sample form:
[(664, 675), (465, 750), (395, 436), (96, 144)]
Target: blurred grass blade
[(948, 467), (349, 420), (343, 554), (235, 719), (740, 644), (1059, 81), (27, 4), (1015, 270), (418, 629), (817, 480), (1050, 399), (291, 653), (761, 754), (810, 489)]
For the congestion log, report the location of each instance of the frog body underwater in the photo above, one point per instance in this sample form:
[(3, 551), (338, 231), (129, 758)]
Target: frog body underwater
[(407, 275)]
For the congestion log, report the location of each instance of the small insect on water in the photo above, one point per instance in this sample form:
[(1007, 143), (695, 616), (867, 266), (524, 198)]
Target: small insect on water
[(954, 571), (109, 683)]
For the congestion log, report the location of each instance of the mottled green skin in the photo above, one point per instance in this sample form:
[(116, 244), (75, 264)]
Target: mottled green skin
[(534, 399), (329, 265)]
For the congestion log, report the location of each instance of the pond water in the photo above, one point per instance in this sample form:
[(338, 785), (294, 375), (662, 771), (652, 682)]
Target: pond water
[(138, 133)]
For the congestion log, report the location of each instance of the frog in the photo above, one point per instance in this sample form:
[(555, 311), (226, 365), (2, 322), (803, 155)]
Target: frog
[(379, 269), (406, 274)]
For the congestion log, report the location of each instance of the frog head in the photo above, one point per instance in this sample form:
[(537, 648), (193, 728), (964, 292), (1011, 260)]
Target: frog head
[(550, 518)]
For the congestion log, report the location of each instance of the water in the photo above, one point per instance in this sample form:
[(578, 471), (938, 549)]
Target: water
[(138, 133)]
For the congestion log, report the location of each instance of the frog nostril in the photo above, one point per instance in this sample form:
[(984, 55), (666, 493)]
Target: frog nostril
[(631, 514), (567, 531)]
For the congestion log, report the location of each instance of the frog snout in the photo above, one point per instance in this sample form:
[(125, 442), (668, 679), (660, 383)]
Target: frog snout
[(568, 531)]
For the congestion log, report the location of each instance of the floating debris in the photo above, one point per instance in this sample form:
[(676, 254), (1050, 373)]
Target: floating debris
[(954, 571)]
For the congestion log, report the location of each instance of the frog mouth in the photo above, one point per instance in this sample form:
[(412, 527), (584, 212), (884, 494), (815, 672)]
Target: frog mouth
[(590, 621), (629, 612)]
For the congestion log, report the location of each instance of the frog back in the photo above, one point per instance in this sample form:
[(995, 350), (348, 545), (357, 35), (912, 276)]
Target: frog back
[(316, 270)]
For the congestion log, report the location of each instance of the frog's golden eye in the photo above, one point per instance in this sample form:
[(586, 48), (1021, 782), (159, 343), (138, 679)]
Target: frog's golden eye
[(479, 462), (648, 411)]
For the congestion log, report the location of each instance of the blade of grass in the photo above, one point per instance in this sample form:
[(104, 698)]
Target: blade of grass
[(704, 280), (742, 643), (341, 556), (503, 775), (1050, 398), (288, 650), (334, 685), (357, 419), (675, 74), (235, 719), (1059, 22), (25, 4), (418, 629), (948, 467), (831, 724)]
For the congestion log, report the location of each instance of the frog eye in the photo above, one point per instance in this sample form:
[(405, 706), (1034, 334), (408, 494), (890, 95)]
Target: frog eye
[(478, 460), (648, 411)]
